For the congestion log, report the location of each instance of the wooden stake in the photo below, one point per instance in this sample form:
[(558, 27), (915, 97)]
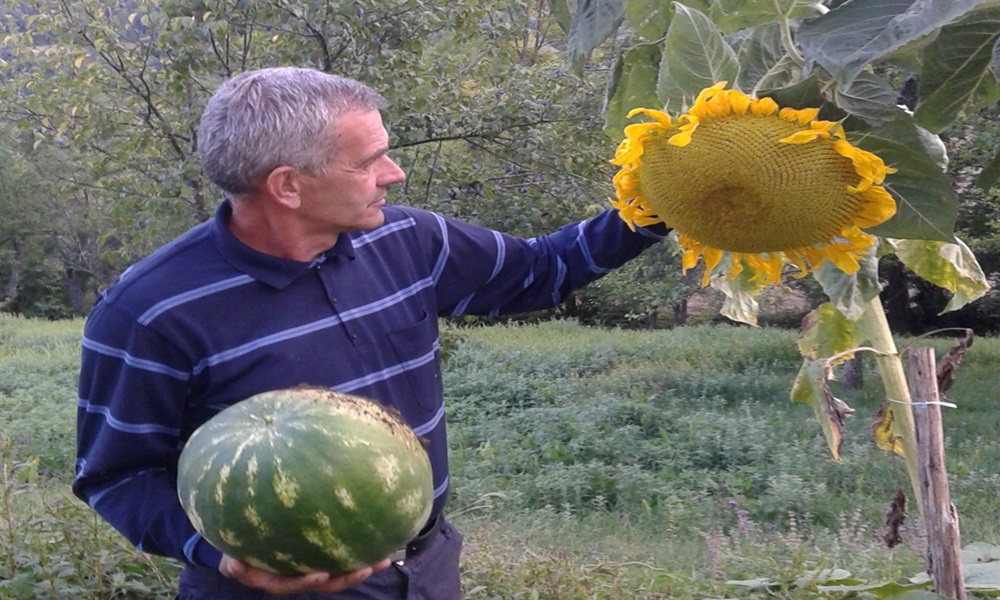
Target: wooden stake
[(940, 517)]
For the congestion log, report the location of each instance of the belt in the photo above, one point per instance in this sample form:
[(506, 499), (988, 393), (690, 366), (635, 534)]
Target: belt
[(419, 543)]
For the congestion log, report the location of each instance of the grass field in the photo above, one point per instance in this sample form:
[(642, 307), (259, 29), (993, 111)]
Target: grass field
[(586, 463)]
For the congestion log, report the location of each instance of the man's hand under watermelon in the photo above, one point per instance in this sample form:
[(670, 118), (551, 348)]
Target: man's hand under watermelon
[(281, 585)]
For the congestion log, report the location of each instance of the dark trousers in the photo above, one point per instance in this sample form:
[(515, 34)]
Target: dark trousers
[(430, 575)]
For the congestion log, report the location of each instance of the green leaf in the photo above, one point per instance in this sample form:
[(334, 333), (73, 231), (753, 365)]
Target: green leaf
[(850, 294), (955, 66), (695, 57), (811, 388), (870, 98), (825, 333), (857, 33), (764, 64), (807, 93), (951, 266), (733, 15), (926, 203), (594, 22), (635, 87), (740, 304), (649, 18), (891, 589)]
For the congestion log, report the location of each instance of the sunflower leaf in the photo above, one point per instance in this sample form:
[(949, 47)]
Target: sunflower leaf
[(811, 388), (850, 294), (951, 266), (826, 332), (764, 64), (870, 98), (594, 22), (695, 56), (882, 430), (807, 93), (651, 18), (733, 15), (926, 203), (740, 304), (857, 33), (955, 66), (635, 86)]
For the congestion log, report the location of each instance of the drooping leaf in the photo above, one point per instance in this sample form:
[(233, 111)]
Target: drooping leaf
[(733, 15), (952, 266), (870, 98), (594, 22), (894, 519), (857, 33), (695, 56), (807, 93), (948, 364), (811, 388), (955, 66), (740, 304), (850, 294), (764, 64), (826, 332), (635, 87), (882, 430), (926, 203)]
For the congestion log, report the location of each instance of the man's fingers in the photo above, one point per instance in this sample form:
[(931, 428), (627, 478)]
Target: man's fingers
[(281, 585)]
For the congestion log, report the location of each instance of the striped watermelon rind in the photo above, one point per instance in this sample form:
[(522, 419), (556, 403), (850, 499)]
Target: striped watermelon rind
[(305, 479)]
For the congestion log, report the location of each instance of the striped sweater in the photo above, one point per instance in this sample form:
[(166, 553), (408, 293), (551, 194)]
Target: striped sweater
[(206, 321)]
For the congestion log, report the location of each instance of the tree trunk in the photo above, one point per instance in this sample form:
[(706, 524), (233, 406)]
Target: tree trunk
[(74, 291), (13, 284), (680, 312), (852, 373), (897, 298)]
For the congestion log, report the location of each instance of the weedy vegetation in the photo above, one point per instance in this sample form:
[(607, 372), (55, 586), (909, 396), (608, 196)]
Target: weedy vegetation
[(587, 463)]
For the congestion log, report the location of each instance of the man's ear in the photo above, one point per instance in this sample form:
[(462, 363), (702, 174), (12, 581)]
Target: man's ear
[(283, 185)]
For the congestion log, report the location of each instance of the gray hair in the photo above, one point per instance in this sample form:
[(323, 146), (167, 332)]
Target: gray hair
[(268, 118)]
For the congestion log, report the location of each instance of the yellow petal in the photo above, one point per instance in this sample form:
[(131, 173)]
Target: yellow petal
[(802, 137), (657, 115), (763, 106), (708, 93), (878, 207), (683, 138)]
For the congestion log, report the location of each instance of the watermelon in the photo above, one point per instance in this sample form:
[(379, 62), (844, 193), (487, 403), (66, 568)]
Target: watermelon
[(306, 479)]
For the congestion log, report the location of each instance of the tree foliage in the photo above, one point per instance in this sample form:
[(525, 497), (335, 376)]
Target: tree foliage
[(104, 101)]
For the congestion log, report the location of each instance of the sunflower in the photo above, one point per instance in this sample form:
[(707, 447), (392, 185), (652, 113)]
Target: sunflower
[(738, 176)]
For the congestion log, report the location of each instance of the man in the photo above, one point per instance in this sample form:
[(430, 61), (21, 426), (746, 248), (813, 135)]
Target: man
[(305, 276)]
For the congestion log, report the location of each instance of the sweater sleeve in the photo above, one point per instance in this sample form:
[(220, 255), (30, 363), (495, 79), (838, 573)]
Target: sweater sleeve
[(486, 272), (132, 391)]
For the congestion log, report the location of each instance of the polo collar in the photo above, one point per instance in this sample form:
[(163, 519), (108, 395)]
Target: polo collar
[(274, 271)]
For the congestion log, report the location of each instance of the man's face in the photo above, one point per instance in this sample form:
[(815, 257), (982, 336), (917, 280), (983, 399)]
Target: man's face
[(349, 196)]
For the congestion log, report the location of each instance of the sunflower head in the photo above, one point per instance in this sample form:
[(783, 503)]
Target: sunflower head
[(738, 175)]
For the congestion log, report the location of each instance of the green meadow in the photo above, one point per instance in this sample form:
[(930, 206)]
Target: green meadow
[(586, 463)]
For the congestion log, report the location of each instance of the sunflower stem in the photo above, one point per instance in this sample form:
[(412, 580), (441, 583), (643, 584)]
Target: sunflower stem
[(786, 35), (890, 367)]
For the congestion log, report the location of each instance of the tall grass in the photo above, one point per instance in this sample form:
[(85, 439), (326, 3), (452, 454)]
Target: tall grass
[(586, 463)]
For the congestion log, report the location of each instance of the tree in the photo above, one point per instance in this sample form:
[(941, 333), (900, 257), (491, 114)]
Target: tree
[(490, 126)]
